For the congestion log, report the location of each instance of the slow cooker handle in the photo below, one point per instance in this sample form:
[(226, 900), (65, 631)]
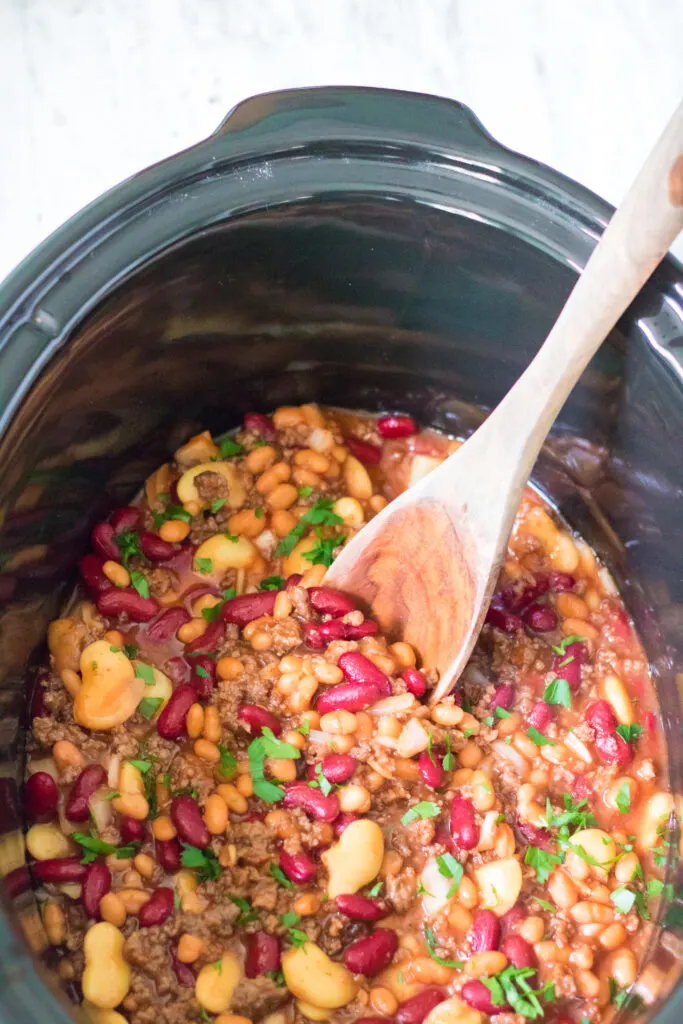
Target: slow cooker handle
[(336, 113)]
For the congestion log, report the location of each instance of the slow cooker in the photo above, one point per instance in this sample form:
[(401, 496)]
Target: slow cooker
[(357, 247)]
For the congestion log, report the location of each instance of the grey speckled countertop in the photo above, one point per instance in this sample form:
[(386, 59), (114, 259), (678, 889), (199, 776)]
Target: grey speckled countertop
[(93, 90)]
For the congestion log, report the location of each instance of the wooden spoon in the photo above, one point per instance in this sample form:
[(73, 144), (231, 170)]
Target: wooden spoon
[(427, 564)]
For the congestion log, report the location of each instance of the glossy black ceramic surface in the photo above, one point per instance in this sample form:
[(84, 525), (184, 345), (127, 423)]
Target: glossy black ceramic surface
[(355, 247)]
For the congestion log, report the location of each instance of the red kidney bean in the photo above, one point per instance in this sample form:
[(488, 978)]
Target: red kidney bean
[(559, 582), (328, 601), (476, 995), (263, 954), (41, 797), (370, 454), (96, 884), (540, 617), (359, 669), (650, 721), (293, 580), (298, 867), (314, 803), (503, 697), (177, 670), (157, 909), (464, 828), (348, 697), (187, 818), (125, 518), (167, 625), (317, 635), (210, 638), (343, 821), (613, 749), (571, 671), (540, 716), (128, 602), (203, 675), (519, 952), (415, 1009), (415, 682), (396, 425), (580, 788), (132, 830), (154, 548), (365, 628), (338, 768), (59, 869), (373, 1020), (371, 954), (535, 836), (361, 908), (15, 882), (171, 721), (443, 838), (102, 539), (512, 919), (169, 852), (90, 568), (244, 609), (257, 423), (600, 717), (77, 805), (485, 932), (183, 972), (431, 771), (519, 593), (257, 718), (503, 620)]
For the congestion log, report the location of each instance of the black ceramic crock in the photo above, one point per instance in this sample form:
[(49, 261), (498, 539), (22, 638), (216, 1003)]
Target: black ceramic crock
[(356, 247)]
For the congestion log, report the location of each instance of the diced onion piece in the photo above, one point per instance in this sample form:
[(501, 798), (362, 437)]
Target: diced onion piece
[(507, 752), (436, 886), (101, 809), (421, 466), (266, 542), (393, 705), (489, 827), (413, 739), (578, 747)]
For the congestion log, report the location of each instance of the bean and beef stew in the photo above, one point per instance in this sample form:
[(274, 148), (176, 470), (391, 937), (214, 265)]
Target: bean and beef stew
[(245, 807)]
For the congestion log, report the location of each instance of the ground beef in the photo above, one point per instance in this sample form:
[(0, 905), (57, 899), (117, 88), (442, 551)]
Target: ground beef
[(255, 842), (211, 485), (191, 772), (161, 582), (286, 634), (254, 998), (401, 889)]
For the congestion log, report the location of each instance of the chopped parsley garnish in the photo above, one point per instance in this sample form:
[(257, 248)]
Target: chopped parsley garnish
[(561, 648), (623, 899), (425, 809), (149, 706), (273, 747), (276, 976), (558, 692), (140, 583), (170, 512), (430, 939), (304, 728), (574, 815), (320, 782), (258, 512), (247, 913), (272, 583), (205, 861), (449, 867), (305, 492), (511, 986), (502, 713), (623, 798), (203, 565), (146, 673), (542, 862), (130, 651), (470, 732), (296, 936), (622, 999), (323, 552), (142, 766), (449, 760), (128, 544), (376, 889), (201, 671), (545, 905), (228, 765), (485, 721), (267, 745), (279, 876), (539, 739), (217, 504), (421, 891), (630, 733), (228, 447), (95, 848), (320, 514), (232, 537)]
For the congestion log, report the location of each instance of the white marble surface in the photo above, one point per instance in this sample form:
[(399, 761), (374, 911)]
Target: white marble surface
[(93, 90)]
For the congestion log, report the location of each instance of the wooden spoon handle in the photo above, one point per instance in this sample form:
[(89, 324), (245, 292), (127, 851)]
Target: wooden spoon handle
[(634, 242)]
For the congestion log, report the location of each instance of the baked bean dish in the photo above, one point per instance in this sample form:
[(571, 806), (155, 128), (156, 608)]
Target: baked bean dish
[(245, 806)]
